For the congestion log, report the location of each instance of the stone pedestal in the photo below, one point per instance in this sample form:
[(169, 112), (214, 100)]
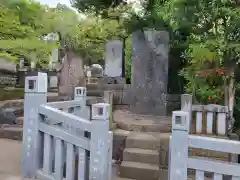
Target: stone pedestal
[(150, 72)]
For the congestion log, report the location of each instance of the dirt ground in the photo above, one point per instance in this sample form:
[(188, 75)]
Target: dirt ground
[(10, 160)]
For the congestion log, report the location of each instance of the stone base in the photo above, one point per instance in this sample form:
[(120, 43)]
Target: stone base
[(112, 80), (148, 110)]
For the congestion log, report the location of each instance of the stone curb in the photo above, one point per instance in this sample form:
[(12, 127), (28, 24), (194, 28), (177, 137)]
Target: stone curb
[(13, 132)]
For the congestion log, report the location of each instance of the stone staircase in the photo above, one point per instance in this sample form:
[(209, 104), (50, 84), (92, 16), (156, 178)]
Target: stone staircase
[(145, 154), (140, 157), (146, 146)]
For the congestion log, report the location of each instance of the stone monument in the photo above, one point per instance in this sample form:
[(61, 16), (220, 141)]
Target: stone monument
[(113, 58), (114, 64), (150, 72), (71, 74)]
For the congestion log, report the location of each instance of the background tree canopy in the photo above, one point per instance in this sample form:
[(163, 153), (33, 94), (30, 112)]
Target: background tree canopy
[(21, 29), (204, 35)]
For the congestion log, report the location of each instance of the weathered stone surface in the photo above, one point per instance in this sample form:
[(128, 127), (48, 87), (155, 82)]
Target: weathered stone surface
[(7, 116), (53, 81), (96, 70), (150, 72), (71, 74), (13, 132), (113, 58), (7, 66), (19, 120), (119, 139), (139, 123)]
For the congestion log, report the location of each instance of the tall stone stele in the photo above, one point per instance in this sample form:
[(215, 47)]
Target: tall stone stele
[(71, 74), (150, 72), (114, 58)]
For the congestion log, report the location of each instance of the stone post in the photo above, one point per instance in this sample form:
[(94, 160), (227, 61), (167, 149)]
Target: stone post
[(99, 145), (186, 106), (108, 98), (233, 157), (110, 154), (80, 94), (179, 146), (35, 95), (82, 111), (21, 63)]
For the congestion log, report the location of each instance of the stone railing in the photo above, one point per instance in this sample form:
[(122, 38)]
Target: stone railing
[(209, 119), (181, 162), (122, 95), (61, 134)]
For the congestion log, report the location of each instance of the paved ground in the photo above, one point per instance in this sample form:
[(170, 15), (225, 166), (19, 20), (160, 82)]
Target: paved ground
[(10, 160), (10, 153)]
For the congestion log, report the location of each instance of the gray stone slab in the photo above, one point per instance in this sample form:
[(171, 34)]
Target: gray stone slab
[(113, 58), (150, 72), (7, 116), (53, 81)]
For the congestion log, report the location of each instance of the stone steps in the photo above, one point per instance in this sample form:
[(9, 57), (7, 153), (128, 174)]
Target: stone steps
[(139, 171), (118, 178), (141, 155), (144, 150), (142, 141)]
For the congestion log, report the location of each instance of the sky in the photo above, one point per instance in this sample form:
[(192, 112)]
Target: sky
[(53, 3)]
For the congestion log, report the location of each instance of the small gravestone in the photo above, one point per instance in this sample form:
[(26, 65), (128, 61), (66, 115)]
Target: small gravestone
[(150, 72), (21, 63), (53, 81), (114, 58)]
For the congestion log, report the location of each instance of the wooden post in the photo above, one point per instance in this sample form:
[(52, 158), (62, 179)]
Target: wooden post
[(35, 95), (99, 142), (179, 146)]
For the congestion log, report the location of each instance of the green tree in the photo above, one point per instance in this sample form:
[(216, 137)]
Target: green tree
[(214, 47), (96, 6), (21, 31)]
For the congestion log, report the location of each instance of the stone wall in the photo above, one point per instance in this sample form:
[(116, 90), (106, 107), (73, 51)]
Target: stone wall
[(8, 80), (122, 95)]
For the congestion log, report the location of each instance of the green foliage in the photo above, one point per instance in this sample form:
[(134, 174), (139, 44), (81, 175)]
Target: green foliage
[(128, 58), (96, 6), (21, 30), (90, 35), (213, 50)]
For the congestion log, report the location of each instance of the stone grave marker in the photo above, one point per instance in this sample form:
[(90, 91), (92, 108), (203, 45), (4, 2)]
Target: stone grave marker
[(150, 72), (113, 58), (71, 74), (53, 81)]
